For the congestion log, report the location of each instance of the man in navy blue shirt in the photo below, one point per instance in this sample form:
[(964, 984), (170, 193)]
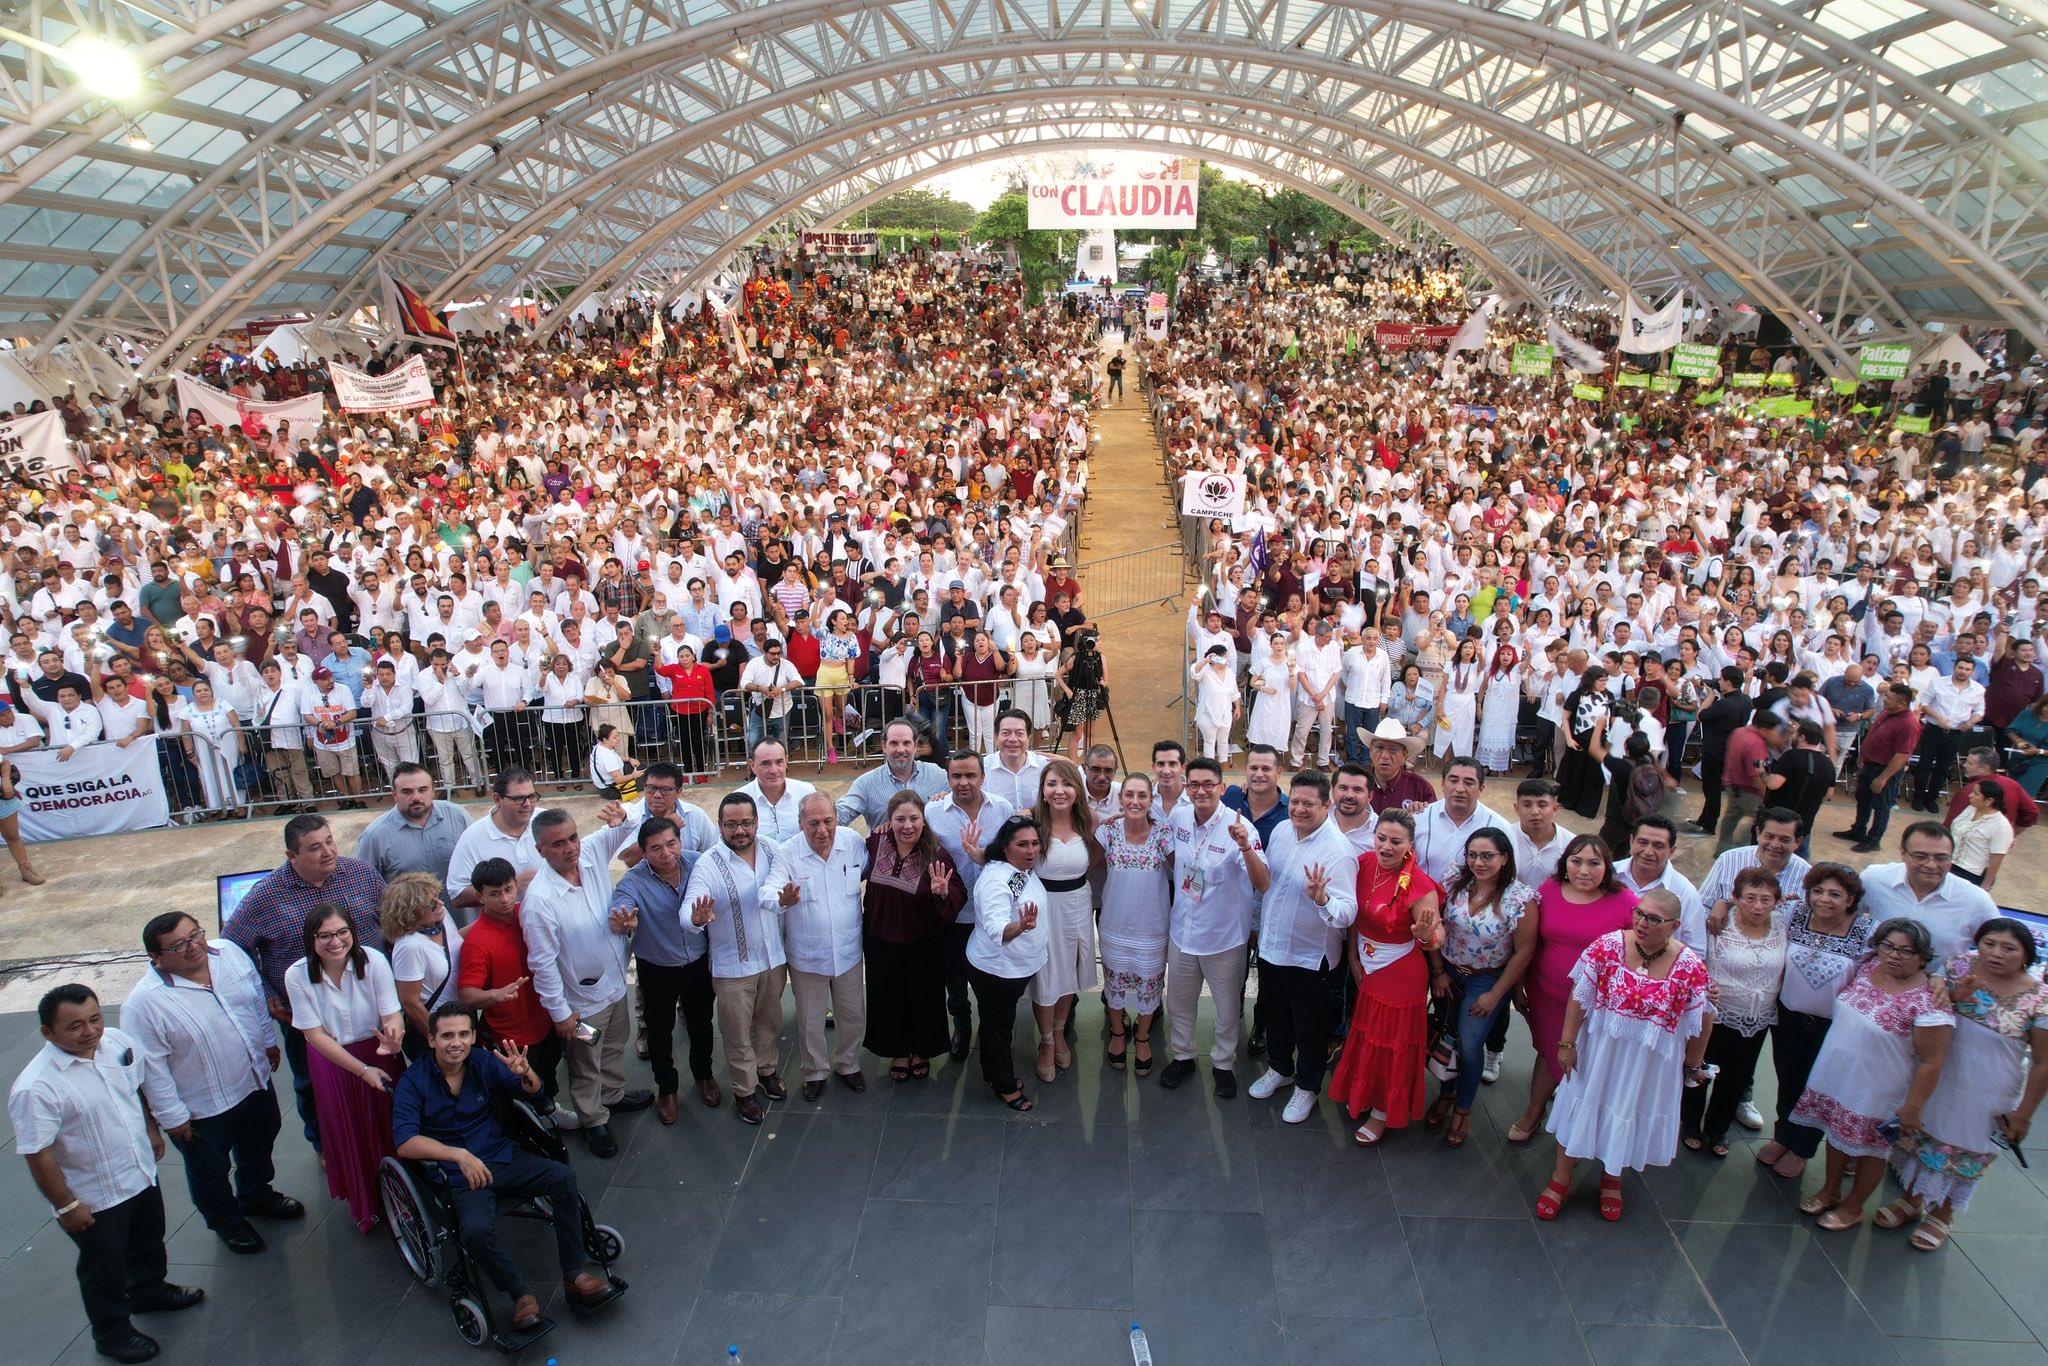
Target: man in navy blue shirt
[(444, 1111)]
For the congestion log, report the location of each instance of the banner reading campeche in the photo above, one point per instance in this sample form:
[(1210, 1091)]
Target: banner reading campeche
[(1107, 193)]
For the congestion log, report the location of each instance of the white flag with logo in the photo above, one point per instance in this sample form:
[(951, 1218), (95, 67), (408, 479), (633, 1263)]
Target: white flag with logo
[(1646, 333), (1580, 356), (1472, 336)]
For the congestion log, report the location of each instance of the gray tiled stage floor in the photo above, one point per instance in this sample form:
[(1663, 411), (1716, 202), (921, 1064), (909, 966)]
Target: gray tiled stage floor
[(923, 1223)]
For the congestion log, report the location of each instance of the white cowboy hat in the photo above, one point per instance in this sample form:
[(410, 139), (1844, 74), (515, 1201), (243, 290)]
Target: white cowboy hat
[(1393, 732)]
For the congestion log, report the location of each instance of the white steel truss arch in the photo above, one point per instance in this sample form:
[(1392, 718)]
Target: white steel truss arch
[(1762, 129)]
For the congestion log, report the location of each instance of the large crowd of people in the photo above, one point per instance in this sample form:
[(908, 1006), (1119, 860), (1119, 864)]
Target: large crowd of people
[(833, 519)]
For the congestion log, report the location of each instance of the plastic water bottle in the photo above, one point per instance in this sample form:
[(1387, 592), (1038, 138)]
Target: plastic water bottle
[(732, 1355), (1141, 1350)]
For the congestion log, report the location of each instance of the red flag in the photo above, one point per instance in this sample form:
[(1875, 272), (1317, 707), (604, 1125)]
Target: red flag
[(413, 319)]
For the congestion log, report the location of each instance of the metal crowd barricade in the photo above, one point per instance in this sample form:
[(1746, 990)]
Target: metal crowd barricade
[(1153, 577), (209, 778)]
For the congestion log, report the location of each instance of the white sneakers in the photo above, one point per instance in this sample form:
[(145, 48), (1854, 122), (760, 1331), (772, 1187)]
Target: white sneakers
[(1748, 1116), (1266, 1087), (1491, 1072), (1300, 1106)]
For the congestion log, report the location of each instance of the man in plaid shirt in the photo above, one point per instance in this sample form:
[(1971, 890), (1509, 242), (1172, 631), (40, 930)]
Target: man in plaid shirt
[(269, 925)]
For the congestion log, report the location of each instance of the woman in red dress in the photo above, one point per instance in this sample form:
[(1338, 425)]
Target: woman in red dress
[(1399, 929)]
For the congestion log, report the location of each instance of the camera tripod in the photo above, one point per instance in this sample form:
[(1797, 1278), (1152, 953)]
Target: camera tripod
[(1108, 714)]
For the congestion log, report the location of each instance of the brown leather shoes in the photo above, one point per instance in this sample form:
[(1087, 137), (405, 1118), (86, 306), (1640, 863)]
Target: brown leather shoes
[(584, 1286), (665, 1107), (708, 1092), (525, 1313)]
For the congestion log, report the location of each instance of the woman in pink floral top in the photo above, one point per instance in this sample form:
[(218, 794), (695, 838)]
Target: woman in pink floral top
[(1881, 1060), (1989, 1089), (1638, 1004)]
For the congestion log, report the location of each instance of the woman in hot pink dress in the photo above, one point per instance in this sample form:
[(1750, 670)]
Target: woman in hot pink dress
[(1573, 909)]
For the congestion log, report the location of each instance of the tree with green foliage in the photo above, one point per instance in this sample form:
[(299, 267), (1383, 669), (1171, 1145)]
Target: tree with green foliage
[(918, 209), (1041, 255)]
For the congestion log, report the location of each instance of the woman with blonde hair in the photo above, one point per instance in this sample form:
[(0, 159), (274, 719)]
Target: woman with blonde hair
[(1071, 853), (425, 947)]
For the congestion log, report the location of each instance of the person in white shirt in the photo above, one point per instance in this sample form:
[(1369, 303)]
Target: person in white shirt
[(1648, 868), (1949, 710), (284, 742), (70, 723), (1008, 946), (1014, 770), (736, 898), (92, 1150), (576, 946), (1308, 903), (1318, 668), (201, 1018), (769, 685), (1218, 873), (821, 933), (1921, 887), (1442, 827), (124, 717), (776, 795), (1368, 678), (446, 696), (389, 702)]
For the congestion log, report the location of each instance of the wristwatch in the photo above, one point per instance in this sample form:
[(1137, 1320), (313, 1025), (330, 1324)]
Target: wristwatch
[(67, 1209)]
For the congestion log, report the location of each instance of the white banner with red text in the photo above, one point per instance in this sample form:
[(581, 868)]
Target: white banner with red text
[(358, 391), (1135, 192), (101, 789), (842, 241), (220, 409)]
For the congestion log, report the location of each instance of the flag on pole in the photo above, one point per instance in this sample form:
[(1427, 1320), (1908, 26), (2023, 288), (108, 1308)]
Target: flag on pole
[(1472, 336), (1258, 556), (1580, 356), (1645, 333), (412, 320), (657, 336)]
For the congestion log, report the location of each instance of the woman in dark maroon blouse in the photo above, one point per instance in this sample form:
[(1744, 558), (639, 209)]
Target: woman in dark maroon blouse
[(913, 894)]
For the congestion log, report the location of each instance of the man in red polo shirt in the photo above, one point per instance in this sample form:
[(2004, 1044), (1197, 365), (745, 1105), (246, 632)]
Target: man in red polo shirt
[(492, 976), (1887, 748), (1742, 775)]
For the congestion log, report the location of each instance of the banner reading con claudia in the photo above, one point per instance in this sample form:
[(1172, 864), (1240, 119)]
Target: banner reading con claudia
[(1104, 192)]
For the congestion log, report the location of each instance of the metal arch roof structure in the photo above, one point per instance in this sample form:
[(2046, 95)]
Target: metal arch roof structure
[(1856, 166)]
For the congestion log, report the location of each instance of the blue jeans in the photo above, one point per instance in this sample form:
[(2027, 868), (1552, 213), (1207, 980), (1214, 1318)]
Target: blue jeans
[(1467, 987), (1354, 717), (761, 726), (933, 706)]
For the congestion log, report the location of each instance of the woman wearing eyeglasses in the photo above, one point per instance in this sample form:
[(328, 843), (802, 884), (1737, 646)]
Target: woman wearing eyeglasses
[(1747, 962), (1489, 942), (1883, 1056), (1988, 1091), (1638, 1006), (1826, 932), (1577, 905), (345, 1002)]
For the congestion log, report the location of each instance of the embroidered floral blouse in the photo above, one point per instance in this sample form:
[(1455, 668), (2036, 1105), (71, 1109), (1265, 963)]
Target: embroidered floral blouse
[(1629, 1006), (1484, 942)]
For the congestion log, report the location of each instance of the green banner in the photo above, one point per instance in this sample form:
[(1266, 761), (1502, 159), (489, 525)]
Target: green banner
[(1779, 381), (1867, 408), (1589, 392), (1913, 424), (1845, 386), (1665, 384), (1881, 361), (1531, 358), (1711, 396), (1631, 379), (1690, 360), (1747, 379), (1785, 407)]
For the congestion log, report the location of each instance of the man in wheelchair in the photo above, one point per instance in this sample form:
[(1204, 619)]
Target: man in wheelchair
[(444, 1111)]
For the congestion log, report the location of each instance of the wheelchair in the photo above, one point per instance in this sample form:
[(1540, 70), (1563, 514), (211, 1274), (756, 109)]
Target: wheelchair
[(421, 1217)]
